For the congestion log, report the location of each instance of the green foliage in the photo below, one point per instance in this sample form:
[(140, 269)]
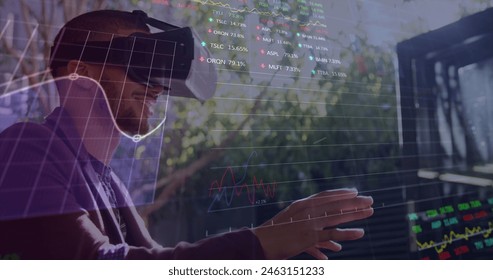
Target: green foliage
[(307, 135)]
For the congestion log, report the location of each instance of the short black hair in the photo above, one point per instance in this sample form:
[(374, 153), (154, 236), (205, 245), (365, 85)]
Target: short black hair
[(95, 26)]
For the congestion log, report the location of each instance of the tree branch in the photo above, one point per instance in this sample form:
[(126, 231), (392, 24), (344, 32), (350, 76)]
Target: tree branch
[(99, 5), (14, 53), (177, 180)]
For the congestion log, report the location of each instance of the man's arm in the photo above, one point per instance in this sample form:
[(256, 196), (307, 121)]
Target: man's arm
[(47, 211), (74, 236), (310, 224)]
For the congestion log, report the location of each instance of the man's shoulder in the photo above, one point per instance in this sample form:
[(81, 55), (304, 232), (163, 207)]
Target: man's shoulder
[(22, 130), (33, 138)]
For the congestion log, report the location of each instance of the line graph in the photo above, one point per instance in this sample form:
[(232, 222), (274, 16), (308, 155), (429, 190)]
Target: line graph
[(452, 236), (220, 189), (256, 11)]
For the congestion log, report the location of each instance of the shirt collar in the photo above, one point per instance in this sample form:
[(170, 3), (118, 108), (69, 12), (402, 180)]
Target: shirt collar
[(63, 125)]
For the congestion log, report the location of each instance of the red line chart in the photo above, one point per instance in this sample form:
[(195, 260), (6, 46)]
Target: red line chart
[(228, 187)]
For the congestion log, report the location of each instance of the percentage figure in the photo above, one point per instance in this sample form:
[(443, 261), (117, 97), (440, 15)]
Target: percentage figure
[(236, 63), (237, 48)]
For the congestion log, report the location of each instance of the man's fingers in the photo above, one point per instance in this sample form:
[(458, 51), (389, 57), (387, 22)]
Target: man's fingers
[(348, 205), (335, 195), (338, 234), (329, 245), (330, 215), (316, 253), (332, 220), (323, 198), (334, 208), (302, 225)]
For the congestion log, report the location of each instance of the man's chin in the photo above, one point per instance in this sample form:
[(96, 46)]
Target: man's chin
[(132, 128)]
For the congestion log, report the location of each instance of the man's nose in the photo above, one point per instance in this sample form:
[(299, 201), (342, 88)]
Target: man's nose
[(155, 90)]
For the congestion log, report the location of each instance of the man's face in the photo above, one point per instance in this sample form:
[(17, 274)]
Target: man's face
[(130, 102)]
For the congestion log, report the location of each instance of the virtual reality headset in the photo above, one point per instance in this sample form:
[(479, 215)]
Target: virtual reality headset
[(169, 59)]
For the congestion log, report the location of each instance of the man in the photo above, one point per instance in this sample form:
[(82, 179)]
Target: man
[(60, 200)]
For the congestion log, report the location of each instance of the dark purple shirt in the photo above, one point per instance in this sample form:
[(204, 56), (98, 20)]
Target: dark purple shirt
[(53, 205)]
